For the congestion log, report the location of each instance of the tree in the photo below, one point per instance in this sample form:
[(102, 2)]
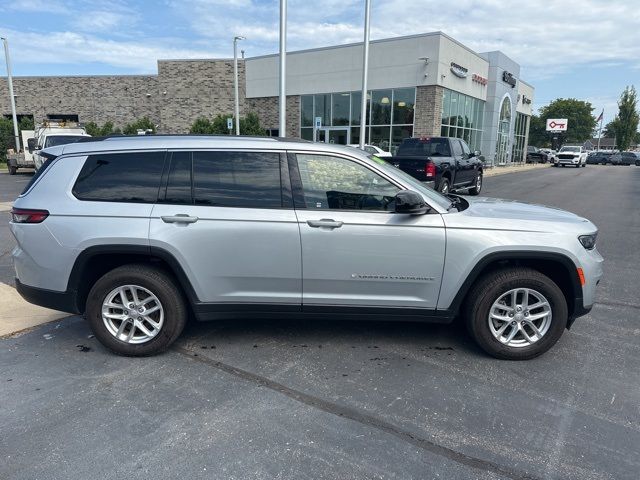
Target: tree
[(625, 125), (6, 137), (143, 123), (579, 115), (26, 123), (94, 130), (609, 130), (249, 125), (538, 135)]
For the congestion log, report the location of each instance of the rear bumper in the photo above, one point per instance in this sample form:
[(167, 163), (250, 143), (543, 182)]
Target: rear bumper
[(61, 301)]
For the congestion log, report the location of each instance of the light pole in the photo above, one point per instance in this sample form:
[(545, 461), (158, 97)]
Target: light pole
[(282, 128), (235, 81), (365, 73), (12, 98)]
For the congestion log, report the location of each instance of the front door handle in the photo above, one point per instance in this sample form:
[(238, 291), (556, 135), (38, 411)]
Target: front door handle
[(179, 218), (324, 223)]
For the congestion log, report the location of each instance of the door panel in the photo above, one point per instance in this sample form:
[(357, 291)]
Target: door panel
[(375, 259), (234, 254), (211, 221), (355, 250)]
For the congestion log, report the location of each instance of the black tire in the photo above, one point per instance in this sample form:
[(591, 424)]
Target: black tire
[(12, 169), (490, 287), (477, 188), (156, 281), (562, 165), (445, 186)]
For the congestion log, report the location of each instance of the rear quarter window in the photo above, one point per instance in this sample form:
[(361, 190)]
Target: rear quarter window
[(132, 177)]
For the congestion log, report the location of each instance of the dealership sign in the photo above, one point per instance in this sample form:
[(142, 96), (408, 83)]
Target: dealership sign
[(508, 78), (459, 71), (479, 79), (557, 125)]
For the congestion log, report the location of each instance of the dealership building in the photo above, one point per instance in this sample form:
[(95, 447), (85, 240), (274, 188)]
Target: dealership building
[(419, 85)]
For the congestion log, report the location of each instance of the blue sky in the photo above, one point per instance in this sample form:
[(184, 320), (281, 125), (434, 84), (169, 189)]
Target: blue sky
[(586, 49)]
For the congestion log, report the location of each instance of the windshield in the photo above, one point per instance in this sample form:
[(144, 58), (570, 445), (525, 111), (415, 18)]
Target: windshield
[(424, 146), (570, 149), (411, 182), (55, 140)]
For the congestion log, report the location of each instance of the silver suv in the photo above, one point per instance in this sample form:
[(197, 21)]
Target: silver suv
[(140, 233)]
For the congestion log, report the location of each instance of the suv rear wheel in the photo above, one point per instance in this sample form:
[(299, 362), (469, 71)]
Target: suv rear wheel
[(136, 310), (516, 313)]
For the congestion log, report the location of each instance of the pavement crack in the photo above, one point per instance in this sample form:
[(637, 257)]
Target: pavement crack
[(362, 418)]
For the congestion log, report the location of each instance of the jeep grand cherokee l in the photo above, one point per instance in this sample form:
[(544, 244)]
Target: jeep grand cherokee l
[(138, 233)]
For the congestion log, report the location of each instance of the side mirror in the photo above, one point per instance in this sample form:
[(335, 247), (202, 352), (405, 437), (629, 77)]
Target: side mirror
[(477, 153), (410, 202), (31, 144)]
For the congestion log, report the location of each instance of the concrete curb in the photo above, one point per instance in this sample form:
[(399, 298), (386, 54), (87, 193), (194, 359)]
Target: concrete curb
[(17, 315), (491, 172)]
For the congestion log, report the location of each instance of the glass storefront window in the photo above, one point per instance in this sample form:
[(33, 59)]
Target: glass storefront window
[(306, 111), (446, 107), (403, 104), (380, 137), (381, 107), (340, 109), (462, 117), (393, 110), (322, 108)]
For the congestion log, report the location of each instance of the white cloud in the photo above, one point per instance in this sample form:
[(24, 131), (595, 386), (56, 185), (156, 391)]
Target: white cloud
[(74, 48)]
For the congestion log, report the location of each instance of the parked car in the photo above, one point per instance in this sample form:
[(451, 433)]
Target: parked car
[(373, 150), (551, 154), (140, 232), (573, 155), (599, 158), (637, 161), (624, 158), (443, 163), (535, 155)]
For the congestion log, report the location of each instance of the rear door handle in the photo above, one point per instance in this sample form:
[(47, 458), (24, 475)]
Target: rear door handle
[(324, 223), (179, 218)]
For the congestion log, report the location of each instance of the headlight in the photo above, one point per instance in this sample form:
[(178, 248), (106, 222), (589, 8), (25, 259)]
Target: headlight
[(588, 241)]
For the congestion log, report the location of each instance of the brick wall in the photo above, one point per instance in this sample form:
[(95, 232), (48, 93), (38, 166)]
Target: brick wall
[(267, 110), (428, 110), (189, 89), (119, 99)]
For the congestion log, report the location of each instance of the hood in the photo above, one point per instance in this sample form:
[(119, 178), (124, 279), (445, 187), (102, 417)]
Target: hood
[(496, 208)]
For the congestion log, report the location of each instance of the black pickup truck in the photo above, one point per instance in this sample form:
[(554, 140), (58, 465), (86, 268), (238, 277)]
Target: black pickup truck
[(443, 163)]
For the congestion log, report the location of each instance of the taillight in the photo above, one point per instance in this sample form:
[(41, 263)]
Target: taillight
[(24, 215), (430, 170)]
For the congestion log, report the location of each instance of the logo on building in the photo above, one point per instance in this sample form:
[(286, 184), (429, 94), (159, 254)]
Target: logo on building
[(479, 79), (526, 100), (509, 79), (458, 71)]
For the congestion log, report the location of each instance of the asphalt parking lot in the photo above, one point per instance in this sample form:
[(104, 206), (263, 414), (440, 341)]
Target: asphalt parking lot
[(342, 400)]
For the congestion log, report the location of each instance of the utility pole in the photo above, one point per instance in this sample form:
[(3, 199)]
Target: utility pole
[(365, 73), (236, 105), (282, 129), (12, 98)]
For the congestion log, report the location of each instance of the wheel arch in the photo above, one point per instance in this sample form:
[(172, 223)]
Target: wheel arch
[(93, 262), (558, 267)]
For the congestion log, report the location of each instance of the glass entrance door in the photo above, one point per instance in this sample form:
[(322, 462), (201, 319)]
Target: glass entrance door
[(339, 136)]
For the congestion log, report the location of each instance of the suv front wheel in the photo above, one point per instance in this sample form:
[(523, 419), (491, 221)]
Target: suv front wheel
[(136, 310), (516, 313)]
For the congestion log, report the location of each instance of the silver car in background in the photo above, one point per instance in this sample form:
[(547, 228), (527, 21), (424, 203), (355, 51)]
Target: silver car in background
[(140, 233)]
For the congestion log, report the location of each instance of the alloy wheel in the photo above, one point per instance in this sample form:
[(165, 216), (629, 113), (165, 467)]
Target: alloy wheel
[(520, 317), (132, 314)]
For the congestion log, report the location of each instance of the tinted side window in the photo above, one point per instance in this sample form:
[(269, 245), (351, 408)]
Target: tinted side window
[(457, 149), (179, 179), (237, 179), (465, 148), (120, 177)]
